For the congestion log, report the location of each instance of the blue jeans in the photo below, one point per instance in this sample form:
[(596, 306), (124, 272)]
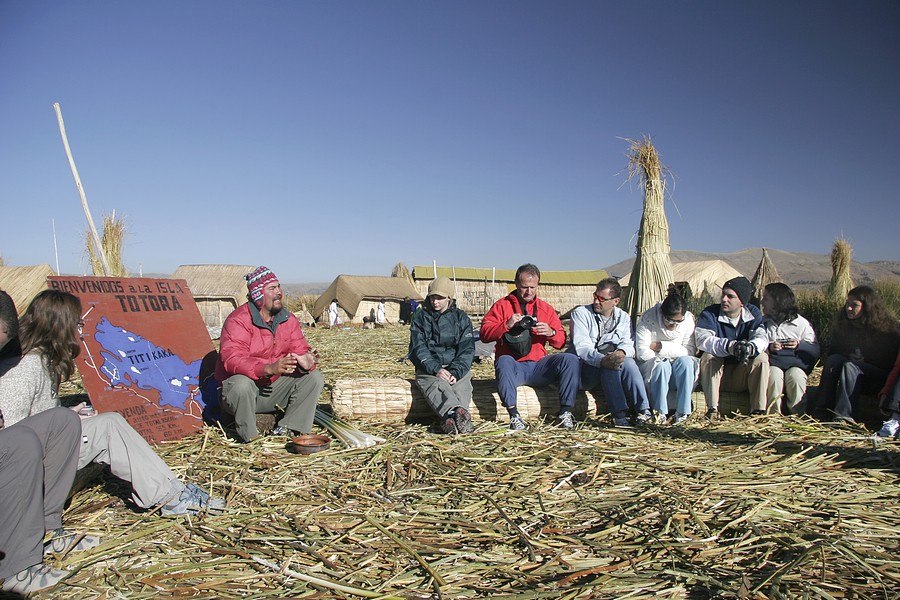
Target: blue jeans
[(673, 381), (843, 381), (559, 368), (616, 384)]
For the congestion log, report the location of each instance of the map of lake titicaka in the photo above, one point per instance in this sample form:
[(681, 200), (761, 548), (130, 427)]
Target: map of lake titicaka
[(144, 345)]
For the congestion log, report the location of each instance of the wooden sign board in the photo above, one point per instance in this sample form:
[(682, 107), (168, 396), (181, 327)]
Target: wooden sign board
[(143, 344)]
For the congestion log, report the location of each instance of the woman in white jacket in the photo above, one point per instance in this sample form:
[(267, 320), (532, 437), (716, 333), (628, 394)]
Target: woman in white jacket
[(793, 349), (664, 351)]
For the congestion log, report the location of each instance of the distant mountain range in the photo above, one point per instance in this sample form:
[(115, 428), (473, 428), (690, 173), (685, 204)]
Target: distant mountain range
[(797, 269)]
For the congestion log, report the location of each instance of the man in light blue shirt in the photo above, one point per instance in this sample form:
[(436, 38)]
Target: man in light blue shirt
[(601, 338)]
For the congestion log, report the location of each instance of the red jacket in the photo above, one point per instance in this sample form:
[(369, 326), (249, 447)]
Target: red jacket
[(493, 326), (247, 344), (888, 388)]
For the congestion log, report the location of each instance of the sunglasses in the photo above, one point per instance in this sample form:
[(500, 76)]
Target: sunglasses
[(601, 298), (673, 321)]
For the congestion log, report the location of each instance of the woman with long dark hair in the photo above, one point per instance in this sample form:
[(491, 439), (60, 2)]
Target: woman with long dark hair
[(864, 343), (664, 350), (49, 336), (793, 349)]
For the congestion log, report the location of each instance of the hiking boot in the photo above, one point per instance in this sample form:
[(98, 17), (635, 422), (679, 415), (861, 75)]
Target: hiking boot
[(517, 423), (191, 501), (621, 422), (642, 418), (756, 412), (661, 419), (680, 418), (844, 419), (280, 430), (713, 415), (463, 421), (889, 429), (33, 579), (448, 423), (566, 420), (64, 540)]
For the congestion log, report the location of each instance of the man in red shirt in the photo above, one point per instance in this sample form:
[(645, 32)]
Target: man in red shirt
[(522, 325), (265, 362)]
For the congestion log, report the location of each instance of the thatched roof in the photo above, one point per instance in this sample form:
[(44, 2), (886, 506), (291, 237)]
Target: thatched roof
[(216, 281), (24, 283), (765, 274), (699, 275), (350, 290), (509, 275)]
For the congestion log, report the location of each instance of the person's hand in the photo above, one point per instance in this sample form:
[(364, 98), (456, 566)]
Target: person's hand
[(790, 344), (775, 346), (306, 361), (283, 366), (543, 329), (614, 360), (511, 322), (656, 346), (446, 376)]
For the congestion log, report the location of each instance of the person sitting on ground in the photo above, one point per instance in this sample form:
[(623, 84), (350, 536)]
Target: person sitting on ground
[(49, 336), (601, 339), (793, 349), (265, 362), (522, 325), (733, 343), (38, 457), (864, 342), (441, 347), (665, 353), (889, 396)]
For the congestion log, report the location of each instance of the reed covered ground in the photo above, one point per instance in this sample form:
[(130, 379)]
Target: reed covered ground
[(761, 507)]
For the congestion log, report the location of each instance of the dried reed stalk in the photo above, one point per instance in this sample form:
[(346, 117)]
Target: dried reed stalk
[(765, 274), (652, 270), (841, 255), (112, 241), (746, 508)]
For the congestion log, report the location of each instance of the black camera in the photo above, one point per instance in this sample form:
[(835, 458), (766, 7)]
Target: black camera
[(527, 322)]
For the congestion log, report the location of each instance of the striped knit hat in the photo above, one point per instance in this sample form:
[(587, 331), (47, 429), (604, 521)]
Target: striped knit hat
[(257, 280)]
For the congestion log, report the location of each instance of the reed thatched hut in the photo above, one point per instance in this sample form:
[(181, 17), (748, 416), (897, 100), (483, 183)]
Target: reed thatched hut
[(358, 297), (217, 289), (24, 283), (695, 277), (765, 274), (477, 289)]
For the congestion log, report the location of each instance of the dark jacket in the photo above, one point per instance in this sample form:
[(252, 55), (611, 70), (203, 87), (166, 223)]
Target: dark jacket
[(441, 341), (879, 348)]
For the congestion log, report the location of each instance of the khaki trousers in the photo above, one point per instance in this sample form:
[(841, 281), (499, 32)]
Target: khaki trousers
[(716, 375), (792, 383), (297, 396)]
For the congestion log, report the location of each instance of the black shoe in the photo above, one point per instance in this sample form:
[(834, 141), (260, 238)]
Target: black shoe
[(756, 412), (713, 414)]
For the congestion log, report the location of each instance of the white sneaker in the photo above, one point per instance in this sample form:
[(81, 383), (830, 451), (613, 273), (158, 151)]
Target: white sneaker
[(680, 418), (517, 423), (642, 419), (889, 429)]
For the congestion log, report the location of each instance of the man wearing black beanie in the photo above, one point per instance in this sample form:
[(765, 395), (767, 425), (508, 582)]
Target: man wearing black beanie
[(733, 341)]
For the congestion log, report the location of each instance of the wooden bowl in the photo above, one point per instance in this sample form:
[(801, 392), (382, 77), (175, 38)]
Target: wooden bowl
[(309, 444)]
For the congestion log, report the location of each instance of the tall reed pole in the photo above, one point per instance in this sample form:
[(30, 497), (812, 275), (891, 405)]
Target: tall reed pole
[(84, 203)]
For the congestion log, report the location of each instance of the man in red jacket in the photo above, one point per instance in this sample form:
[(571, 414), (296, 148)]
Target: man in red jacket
[(522, 325), (265, 362)]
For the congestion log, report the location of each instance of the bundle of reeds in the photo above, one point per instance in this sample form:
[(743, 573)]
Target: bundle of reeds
[(841, 254), (401, 270), (766, 273), (112, 240), (652, 270)]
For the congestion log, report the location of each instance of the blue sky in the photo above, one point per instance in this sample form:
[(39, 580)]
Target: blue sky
[(322, 138)]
